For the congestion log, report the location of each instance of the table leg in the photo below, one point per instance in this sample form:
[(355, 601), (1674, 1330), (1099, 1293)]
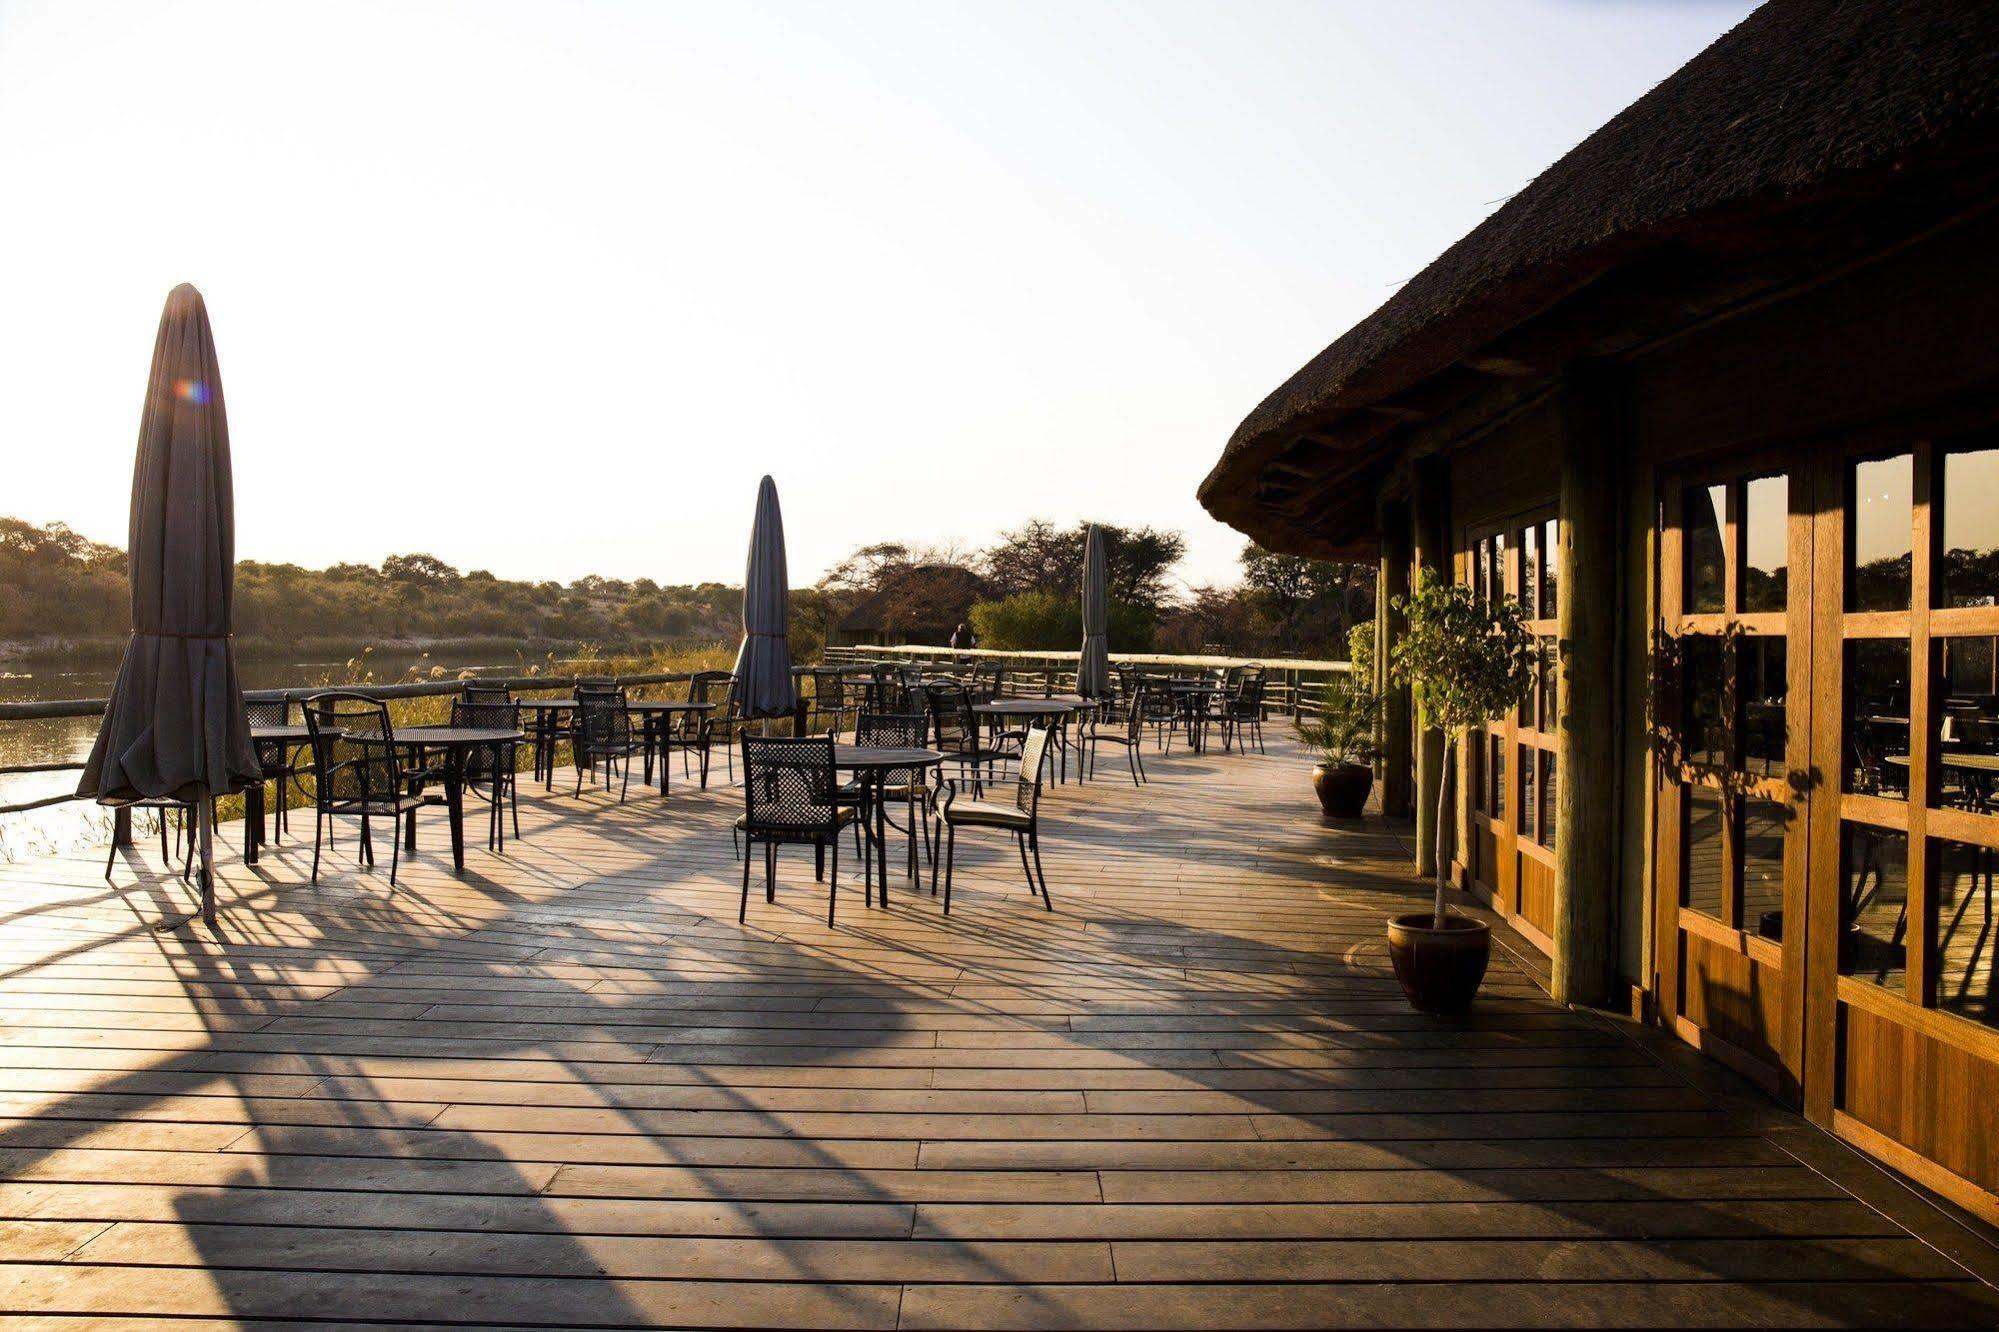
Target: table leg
[(454, 803), (253, 822), (881, 831)]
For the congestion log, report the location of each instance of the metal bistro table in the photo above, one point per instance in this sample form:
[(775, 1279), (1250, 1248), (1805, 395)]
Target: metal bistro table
[(871, 766), (549, 720), (254, 823), (653, 709), (1192, 697), (1056, 710), (455, 742)]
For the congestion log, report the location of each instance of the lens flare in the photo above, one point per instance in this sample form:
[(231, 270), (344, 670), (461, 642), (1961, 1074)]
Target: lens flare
[(191, 390)]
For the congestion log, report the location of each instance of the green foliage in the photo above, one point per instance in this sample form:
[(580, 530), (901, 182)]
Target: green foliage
[(1040, 557), (1048, 622), (1344, 728), (1466, 658)]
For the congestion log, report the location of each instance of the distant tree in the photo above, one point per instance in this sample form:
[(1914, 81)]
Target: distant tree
[(1038, 556), (1310, 603), (423, 570)]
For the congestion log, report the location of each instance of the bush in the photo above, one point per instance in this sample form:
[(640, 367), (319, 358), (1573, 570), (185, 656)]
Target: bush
[(1045, 622)]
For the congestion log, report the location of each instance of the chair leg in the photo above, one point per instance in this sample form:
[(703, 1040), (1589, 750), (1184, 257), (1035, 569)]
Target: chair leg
[(395, 855), (1131, 761), (1020, 845), (743, 911), (833, 884), (770, 871), (950, 862), (109, 861), (626, 785), (819, 859), (1034, 840), (316, 821)]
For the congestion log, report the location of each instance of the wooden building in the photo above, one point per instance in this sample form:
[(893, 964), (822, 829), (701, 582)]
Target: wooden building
[(1717, 396)]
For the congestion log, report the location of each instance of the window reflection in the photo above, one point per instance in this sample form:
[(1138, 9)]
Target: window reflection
[(1530, 791), (1550, 682), (1763, 824), (1706, 853), (1706, 563), (1551, 559), (1766, 558), (1967, 983), (1966, 733), (1498, 587), (1874, 905), (1703, 728), (1761, 661), (1548, 792), (1876, 746), (1969, 574), (1530, 570), (1880, 523), (1496, 776)]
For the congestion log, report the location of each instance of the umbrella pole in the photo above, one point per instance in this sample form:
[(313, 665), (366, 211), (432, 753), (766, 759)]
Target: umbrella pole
[(204, 814)]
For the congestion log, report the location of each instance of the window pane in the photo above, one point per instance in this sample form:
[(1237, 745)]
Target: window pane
[(1877, 717), (1530, 570), (1766, 559), (1874, 903), (1881, 521), (1966, 734), (1496, 777), (1701, 688), (1530, 791), (1763, 823), (1550, 665), (1548, 792), (1961, 911), (1475, 779), (1967, 671), (1499, 585), (1760, 670), (1704, 508), (1551, 558), (1969, 575), (1706, 851), (1482, 583)]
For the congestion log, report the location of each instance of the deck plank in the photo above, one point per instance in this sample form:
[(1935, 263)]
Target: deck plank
[(567, 1087)]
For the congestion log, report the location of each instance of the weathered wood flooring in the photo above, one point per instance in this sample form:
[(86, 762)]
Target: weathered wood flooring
[(568, 1088)]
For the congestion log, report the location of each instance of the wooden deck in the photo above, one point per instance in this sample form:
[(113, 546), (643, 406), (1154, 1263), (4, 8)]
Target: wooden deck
[(569, 1089)]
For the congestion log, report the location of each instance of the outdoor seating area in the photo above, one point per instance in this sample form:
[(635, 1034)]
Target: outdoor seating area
[(569, 1086)]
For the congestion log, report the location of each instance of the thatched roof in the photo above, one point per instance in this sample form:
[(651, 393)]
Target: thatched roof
[(1803, 99)]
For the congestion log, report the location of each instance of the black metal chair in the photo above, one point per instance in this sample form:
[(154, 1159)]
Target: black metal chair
[(1019, 815), (277, 760), (183, 812), (790, 798), (358, 772), (1242, 714), (954, 732), (831, 710), (496, 782), (720, 723), (910, 786), (1120, 722), (603, 734)]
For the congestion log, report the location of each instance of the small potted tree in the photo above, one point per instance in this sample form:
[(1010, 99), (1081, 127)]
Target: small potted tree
[(1341, 733), (1466, 661)]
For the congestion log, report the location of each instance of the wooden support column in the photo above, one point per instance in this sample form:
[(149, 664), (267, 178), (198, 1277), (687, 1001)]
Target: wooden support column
[(1388, 628), (1430, 522), (1587, 812)]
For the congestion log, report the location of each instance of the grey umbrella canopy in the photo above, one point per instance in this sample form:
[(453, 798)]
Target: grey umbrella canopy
[(763, 664), (1093, 667), (175, 726)]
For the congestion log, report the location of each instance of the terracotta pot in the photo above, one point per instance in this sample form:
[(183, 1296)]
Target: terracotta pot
[(1342, 788), (1440, 970)]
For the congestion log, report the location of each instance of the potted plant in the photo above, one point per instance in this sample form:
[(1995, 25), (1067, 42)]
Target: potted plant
[(1342, 732), (1465, 658)]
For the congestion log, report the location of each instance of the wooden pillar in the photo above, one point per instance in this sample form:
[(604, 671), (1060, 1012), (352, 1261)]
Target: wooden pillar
[(1587, 813), (1430, 523), (1388, 627)]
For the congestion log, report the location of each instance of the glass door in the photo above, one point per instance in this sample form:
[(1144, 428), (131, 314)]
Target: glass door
[(1732, 724)]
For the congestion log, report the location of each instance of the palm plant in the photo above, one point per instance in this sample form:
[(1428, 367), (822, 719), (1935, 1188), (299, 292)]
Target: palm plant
[(1343, 730), (1466, 660)]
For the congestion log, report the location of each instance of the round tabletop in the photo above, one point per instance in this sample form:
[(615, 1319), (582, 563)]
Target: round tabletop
[(873, 756), (1024, 707), (442, 735), (289, 734), (546, 703), (1963, 761), (668, 705)]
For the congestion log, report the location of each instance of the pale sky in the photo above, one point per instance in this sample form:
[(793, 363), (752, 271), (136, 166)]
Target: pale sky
[(545, 288)]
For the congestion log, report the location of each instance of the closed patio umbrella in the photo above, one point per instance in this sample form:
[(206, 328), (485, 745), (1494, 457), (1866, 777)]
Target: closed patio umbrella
[(1093, 667), (175, 727), (763, 664)]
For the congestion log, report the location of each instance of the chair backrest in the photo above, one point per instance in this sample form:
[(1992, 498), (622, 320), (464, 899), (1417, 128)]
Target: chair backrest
[(1134, 711), (1027, 782), (602, 720), (953, 725), (1249, 697), (345, 770), (788, 783), (894, 730), (269, 712), (502, 714), (474, 692)]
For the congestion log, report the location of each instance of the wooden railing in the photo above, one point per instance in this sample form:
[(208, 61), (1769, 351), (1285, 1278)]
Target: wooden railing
[(45, 709), (1292, 684)]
